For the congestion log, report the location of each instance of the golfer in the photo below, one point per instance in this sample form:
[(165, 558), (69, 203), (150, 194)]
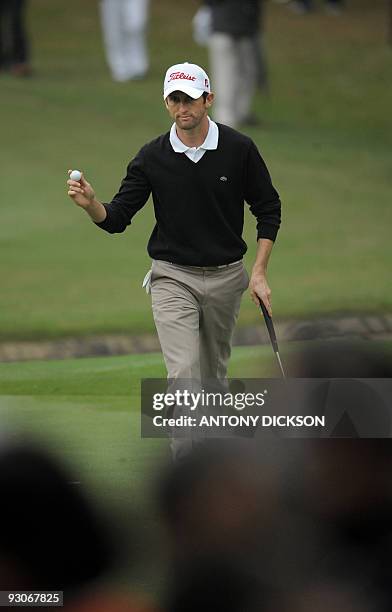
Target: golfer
[(199, 173)]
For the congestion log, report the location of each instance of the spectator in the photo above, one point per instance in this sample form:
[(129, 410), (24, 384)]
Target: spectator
[(124, 29), (219, 506), (236, 58), (14, 45), (51, 537)]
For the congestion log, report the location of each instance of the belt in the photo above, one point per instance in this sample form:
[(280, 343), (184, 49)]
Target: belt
[(227, 265), (234, 263)]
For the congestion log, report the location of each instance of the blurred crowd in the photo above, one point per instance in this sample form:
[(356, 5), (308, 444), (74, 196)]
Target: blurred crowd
[(233, 31), (247, 525)]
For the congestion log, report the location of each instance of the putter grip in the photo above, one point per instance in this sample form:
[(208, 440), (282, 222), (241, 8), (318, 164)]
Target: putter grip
[(270, 326)]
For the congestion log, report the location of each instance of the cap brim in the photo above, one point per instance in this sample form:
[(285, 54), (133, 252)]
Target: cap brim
[(190, 91)]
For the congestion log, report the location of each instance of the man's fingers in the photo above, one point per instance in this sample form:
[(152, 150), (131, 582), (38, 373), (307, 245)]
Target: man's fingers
[(265, 298), (75, 188), (254, 297), (268, 307), (267, 304)]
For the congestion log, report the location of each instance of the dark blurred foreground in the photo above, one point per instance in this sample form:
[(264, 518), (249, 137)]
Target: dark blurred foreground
[(283, 525)]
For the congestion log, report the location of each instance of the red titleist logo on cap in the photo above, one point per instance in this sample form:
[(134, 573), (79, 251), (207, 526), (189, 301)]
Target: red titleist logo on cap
[(181, 75)]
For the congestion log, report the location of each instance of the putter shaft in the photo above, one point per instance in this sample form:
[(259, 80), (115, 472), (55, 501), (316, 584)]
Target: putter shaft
[(272, 335)]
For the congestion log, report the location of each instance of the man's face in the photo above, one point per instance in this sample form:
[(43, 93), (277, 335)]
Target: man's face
[(187, 112)]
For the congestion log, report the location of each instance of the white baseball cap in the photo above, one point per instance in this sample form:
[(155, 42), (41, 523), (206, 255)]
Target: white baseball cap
[(189, 78)]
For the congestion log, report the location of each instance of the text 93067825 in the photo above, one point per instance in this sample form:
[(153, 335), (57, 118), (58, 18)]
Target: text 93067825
[(27, 599)]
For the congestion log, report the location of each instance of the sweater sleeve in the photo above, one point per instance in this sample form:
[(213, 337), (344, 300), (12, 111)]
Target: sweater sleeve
[(261, 195), (134, 192)]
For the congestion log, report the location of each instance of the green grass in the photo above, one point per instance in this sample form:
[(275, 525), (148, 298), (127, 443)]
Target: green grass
[(88, 410), (325, 137)]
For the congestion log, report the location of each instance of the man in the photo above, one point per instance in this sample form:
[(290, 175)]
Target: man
[(199, 175), (124, 24), (237, 58)]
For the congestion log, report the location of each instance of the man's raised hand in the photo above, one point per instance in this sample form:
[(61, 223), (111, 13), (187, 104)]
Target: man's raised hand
[(80, 192)]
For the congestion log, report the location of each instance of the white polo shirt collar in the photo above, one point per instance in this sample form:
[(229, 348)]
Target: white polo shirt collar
[(196, 153)]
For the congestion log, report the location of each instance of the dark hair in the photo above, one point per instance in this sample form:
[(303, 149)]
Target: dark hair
[(57, 512), (205, 95)]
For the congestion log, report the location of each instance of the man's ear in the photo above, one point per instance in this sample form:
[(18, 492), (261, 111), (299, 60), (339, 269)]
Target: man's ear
[(166, 104), (210, 100)]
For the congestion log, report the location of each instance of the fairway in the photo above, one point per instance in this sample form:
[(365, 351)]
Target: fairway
[(88, 410), (324, 135)]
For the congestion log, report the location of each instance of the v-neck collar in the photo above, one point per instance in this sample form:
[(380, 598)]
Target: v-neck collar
[(210, 143)]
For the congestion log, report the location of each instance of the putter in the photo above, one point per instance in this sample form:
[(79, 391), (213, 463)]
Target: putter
[(272, 335)]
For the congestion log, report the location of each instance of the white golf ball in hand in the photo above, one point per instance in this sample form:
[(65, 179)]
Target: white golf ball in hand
[(75, 175)]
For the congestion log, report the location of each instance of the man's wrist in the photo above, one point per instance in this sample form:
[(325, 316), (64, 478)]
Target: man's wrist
[(259, 270), (96, 211), (93, 204)]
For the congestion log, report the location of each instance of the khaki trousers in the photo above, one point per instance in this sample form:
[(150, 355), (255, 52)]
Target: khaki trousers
[(195, 312)]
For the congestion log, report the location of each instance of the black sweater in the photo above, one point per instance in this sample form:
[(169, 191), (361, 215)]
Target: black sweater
[(199, 207)]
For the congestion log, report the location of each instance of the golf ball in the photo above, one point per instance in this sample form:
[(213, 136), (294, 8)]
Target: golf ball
[(75, 175)]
